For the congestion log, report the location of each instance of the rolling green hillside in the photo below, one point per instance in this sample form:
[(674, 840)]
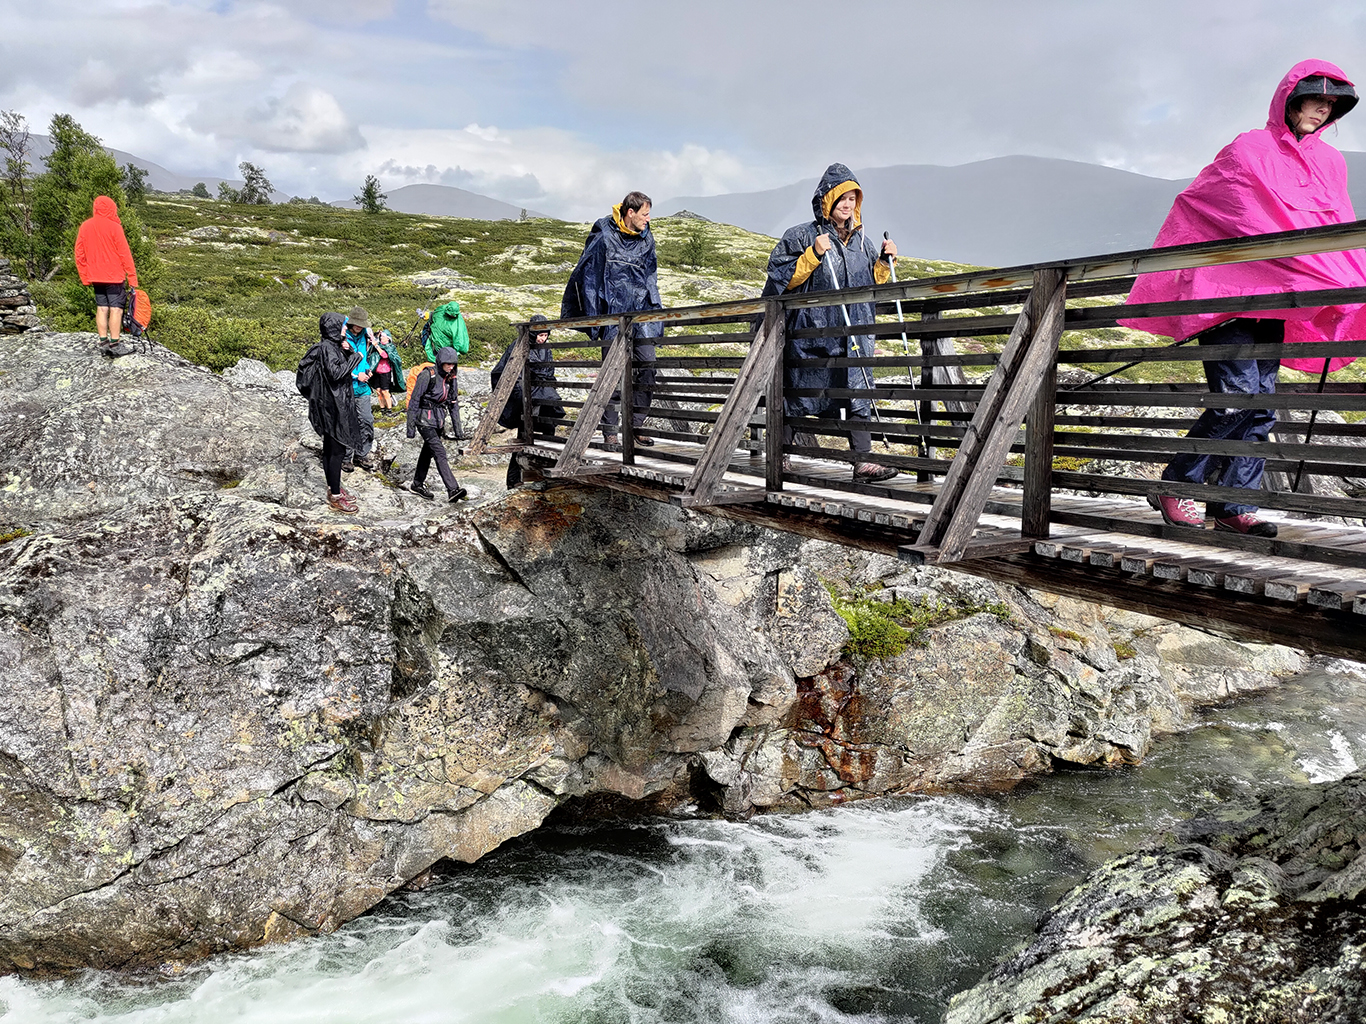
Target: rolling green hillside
[(252, 280)]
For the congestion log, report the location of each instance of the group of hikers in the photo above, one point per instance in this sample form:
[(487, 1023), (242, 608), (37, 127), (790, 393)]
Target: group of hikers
[(1277, 178)]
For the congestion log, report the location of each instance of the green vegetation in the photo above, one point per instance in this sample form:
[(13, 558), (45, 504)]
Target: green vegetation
[(1124, 650), (884, 629), (14, 534), (371, 199)]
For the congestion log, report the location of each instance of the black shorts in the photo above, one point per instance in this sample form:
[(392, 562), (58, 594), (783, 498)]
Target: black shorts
[(382, 381), (110, 295)]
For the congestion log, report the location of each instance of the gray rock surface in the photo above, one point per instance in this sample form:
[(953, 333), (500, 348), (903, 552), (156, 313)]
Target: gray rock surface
[(1250, 914), (234, 717)]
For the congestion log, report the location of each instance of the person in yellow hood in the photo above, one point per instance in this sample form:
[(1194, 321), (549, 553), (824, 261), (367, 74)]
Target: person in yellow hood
[(832, 251)]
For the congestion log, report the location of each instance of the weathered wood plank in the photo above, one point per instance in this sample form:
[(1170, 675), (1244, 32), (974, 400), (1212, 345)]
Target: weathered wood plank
[(608, 380)]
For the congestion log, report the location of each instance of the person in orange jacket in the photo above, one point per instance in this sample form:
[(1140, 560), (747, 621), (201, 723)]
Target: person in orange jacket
[(104, 260)]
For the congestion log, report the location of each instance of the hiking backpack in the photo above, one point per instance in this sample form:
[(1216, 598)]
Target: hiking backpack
[(137, 314), (411, 378)]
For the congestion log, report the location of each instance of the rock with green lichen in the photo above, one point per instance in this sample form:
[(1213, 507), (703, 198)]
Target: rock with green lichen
[(1251, 913)]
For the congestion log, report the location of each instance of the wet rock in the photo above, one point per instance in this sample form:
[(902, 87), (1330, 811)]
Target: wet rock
[(1250, 913)]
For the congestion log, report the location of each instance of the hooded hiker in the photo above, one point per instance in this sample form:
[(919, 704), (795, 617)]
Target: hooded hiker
[(428, 405), (1277, 178), (446, 328), (104, 260), (545, 399), (833, 251), (324, 378), (362, 341), (618, 273)]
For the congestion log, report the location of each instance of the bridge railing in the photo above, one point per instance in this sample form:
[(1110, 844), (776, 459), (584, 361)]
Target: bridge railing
[(994, 413)]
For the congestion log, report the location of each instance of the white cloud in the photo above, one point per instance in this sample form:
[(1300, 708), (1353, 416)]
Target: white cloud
[(305, 119)]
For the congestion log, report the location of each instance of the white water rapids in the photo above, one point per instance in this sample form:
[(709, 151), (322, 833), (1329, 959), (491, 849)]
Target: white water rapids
[(871, 912)]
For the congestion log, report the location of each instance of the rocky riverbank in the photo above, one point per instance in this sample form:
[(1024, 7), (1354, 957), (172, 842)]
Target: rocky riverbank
[(1250, 913), (237, 718)]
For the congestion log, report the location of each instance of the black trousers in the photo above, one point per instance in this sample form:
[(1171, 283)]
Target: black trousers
[(860, 441), (432, 448), (333, 453)]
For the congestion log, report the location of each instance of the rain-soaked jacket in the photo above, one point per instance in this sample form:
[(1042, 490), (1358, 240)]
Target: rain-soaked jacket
[(433, 391), (446, 327), (794, 267), (616, 273), (541, 367), (1265, 180), (101, 253), (324, 378)]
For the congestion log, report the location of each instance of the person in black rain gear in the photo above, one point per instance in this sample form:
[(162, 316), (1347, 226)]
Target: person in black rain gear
[(618, 273), (545, 399), (324, 378), (833, 251), (427, 409)]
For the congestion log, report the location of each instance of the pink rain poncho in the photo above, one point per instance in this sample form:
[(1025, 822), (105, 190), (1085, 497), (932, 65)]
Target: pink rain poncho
[(1264, 180)]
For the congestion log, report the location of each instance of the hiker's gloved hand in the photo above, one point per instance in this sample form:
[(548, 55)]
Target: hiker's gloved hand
[(411, 433)]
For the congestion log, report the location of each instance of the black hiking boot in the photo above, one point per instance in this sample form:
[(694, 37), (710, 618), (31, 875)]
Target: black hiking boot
[(419, 489)]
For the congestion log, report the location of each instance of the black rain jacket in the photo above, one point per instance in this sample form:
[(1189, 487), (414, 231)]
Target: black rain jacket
[(324, 378), (543, 390)]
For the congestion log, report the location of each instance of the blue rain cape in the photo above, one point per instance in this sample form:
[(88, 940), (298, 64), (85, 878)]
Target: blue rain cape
[(616, 273), (852, 263)]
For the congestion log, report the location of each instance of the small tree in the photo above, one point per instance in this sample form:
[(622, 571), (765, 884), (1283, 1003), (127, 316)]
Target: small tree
[(371, 199), (134, 183), (201, 190), (228, 194), (695, 249), (256, 187), (16, 205)]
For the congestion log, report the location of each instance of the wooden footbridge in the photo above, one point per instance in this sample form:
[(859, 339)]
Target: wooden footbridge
[(1025, 453)]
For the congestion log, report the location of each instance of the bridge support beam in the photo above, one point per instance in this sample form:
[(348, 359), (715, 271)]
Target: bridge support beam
[(1029, 355), (753, 381), (498, 401)]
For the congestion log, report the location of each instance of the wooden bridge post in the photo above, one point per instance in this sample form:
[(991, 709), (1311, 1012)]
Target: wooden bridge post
[(1038, 468), (571, 460), (773, 403), (528, 423), (995, 425), (499, 399), (627, 410), (925, 410), (754, 379)]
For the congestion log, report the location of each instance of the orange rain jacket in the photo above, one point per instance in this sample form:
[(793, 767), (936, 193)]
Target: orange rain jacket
[(102, 253)]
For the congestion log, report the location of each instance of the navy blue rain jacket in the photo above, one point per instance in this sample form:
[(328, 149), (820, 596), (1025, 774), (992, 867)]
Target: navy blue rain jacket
[(616, 273), (852, 262)]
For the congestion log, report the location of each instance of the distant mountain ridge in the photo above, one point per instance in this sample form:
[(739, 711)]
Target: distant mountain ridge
[(1000, 212), (446, 201)]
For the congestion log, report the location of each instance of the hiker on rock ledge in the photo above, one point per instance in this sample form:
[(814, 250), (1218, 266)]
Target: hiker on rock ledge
[(324, 378), (618, 272), (104, 260), (833, 251), (1278, 178), (428, 406)]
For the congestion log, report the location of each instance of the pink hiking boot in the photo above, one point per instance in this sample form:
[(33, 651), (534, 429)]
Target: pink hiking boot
[(1180, 512), (1246, 523)]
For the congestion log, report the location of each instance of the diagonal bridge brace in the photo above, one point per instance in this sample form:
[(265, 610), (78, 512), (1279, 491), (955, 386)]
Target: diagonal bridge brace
[(1025, 375)]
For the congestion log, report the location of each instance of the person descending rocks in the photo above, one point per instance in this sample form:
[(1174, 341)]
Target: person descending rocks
[(104, 260), (324, 378), (360, 338), (618, 272), (428, 405), (832, 251), (1277, 178)]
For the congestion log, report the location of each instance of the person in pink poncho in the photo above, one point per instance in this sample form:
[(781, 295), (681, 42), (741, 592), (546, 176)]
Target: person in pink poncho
[(1278, 178)]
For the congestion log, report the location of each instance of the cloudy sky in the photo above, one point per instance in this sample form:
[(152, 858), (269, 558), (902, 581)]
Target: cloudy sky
[(562, 105)]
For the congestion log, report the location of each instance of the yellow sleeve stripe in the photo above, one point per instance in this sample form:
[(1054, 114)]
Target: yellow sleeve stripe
[(807, 263), (882, 271)]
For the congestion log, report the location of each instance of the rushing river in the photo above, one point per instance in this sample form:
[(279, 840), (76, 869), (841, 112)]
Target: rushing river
[(878, 911)]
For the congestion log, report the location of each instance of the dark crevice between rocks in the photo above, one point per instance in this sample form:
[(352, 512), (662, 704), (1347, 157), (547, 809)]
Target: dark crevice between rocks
[(696, 789), (416, 627), (492, 551)]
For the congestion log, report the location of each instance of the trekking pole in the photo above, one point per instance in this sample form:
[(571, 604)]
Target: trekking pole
[(905, 342), (867, 377), (1126, 366), (408, 336), (1309, 431)]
